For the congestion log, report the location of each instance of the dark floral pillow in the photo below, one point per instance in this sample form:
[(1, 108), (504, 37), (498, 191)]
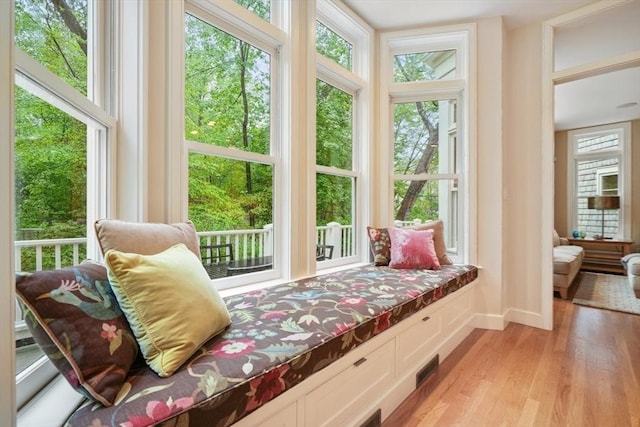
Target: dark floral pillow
[(380, 244), (74, 317)]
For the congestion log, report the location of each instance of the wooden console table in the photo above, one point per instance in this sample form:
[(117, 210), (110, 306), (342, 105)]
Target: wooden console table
[(603, 255)]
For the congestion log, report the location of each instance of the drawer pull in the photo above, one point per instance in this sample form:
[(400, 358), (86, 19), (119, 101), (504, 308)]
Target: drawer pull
[(359, 362), (424, 319)]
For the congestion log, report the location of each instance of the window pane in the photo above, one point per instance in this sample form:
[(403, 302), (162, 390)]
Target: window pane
[(227, 89), (334, 127), (415, 67), (596, 177), (421, 201), (231, 201), (335, 213), (51, 197), (597, 143), (425, 138), (262, 8), (55, 34), (333, 46)]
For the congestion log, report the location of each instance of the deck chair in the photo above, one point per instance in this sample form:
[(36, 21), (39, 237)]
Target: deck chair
[(215, 259), (324, 252)]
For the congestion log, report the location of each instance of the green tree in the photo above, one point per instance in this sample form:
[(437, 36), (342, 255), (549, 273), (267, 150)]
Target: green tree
[(50, 145)]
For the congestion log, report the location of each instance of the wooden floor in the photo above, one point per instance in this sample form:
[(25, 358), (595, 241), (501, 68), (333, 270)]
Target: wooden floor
[(586, 372)]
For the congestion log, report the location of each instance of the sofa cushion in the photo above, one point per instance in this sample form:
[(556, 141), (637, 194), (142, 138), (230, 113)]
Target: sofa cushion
[(564, 256), (438, 239), (145, 238), (170, 303), (74, 317), (413, 249), (380, 244)]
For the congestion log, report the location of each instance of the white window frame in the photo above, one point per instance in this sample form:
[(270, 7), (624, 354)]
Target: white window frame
[(118, 65), (242, 24), (357, 83), (622, 153), (604, 172), (462, 39)]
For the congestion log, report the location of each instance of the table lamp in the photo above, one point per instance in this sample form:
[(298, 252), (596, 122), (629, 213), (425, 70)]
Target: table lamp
[(603, 203)]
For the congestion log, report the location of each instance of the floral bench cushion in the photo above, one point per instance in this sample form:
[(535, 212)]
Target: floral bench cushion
[(278, 337)]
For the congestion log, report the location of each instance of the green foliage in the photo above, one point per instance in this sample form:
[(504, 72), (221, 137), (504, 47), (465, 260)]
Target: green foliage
[(333, 46), (227, 104), (43, 34), (262, 8)]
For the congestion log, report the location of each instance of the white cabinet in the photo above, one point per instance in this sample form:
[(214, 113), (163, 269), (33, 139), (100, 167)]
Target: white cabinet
[(379, 374), (352, 395), (417, 344), (286, 417)]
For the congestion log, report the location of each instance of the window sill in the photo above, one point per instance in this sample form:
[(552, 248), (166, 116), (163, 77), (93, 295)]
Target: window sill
[(51, 407)]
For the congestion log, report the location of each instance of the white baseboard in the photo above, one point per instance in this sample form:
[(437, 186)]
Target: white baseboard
[(528, 318), (495, 322)]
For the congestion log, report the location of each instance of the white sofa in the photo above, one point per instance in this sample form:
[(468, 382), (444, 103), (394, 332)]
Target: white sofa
[(631, 264), (567, 260)]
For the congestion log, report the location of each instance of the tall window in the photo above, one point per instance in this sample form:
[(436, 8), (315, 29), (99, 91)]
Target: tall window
[(598, 166), (229, 109), (341, 80), (62, 141), (426, 77)]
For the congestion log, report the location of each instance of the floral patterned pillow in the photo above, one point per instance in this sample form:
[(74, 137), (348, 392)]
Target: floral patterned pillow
[(380, 245), (74, 317)]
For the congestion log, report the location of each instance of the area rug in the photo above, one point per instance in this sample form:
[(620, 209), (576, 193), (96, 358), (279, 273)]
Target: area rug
[(607, 291)]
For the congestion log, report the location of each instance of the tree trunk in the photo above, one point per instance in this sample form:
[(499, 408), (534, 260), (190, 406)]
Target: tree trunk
[(244, 56), (410, 198)]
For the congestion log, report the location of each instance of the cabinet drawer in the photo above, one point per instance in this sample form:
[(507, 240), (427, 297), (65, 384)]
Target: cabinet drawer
[(417, 344), (457, 311), (283, 417), (350, 396)]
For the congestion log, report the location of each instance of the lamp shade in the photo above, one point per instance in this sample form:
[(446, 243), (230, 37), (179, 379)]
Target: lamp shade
[(603, 202)]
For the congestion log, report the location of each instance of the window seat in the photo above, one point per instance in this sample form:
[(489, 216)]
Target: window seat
[(278, 338)]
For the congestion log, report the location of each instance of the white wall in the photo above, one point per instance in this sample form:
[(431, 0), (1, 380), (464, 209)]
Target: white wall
[(526, 283), (489, 152)]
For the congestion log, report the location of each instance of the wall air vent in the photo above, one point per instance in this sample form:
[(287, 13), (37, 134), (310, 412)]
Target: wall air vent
[(424, 373)]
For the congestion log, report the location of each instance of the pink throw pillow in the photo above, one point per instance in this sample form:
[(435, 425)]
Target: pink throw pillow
[(413, 249)]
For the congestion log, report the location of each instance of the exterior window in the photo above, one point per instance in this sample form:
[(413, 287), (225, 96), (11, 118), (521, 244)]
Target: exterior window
[(337, 147), (426, 165), (426, 78), (231, 168), (54, 33), (598, 167), (415, 67), (62, 141), (334, 47), (334, 153), (261, 8)]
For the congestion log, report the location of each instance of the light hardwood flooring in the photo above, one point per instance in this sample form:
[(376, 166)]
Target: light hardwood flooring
[(586, 372)]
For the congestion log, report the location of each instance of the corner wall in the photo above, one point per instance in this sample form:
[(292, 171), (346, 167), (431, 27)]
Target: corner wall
[(525, 281), (490, 219)]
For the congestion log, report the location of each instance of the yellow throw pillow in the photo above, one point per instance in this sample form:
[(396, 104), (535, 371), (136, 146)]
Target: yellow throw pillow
[(170, 303)]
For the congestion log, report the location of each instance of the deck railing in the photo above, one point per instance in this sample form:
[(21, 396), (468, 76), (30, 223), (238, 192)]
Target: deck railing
[(37, 255)]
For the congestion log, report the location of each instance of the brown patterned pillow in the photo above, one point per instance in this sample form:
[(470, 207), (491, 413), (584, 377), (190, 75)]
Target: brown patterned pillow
[(380, 244), (74, 317)]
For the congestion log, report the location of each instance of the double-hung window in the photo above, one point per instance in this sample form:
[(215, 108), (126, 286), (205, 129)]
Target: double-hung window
[(64, 140), (341, 119), (231, 131), (426, 76), (599, 165)]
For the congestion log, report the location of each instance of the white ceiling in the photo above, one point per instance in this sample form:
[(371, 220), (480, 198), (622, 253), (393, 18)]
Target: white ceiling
[(582, 103)]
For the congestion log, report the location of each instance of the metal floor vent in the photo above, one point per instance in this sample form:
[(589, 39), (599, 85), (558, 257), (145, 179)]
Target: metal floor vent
[(424, 373), (374, 420)]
